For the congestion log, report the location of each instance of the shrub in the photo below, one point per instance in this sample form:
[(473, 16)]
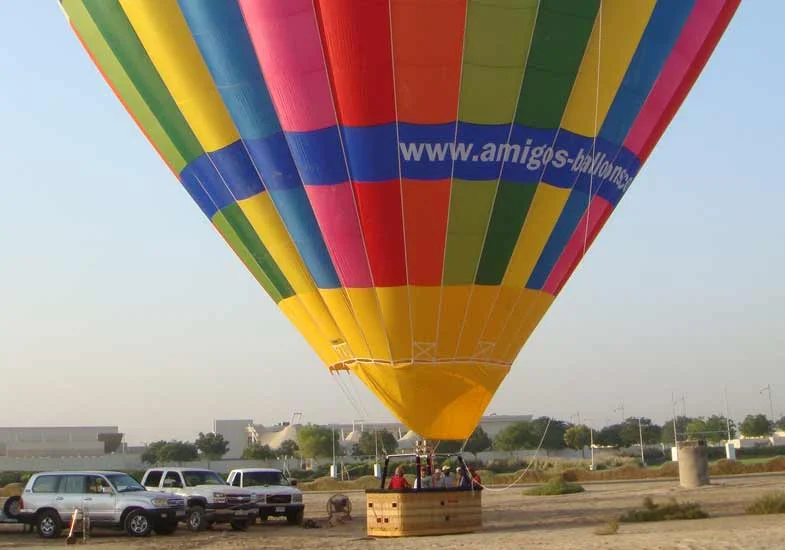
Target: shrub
[(610, 528), (671, 510), (556, 486), (770, 503), (728, 467)]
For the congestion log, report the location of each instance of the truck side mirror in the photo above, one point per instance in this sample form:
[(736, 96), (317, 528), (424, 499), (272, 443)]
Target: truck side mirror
[(293, 482)]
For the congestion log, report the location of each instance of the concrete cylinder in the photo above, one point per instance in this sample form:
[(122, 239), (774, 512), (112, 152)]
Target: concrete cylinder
[(693, 464)]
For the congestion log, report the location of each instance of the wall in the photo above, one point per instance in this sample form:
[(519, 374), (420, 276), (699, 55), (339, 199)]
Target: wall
[(122, 463)]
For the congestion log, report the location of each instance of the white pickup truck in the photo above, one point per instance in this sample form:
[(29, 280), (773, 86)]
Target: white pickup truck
[(278, 496), (209, 499)]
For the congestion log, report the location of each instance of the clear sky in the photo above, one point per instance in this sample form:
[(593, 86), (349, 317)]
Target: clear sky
[(121, 305)]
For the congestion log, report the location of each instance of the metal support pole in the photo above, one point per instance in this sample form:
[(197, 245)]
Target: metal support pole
[(417, 464), (591, 446), (640, 433), (384, 472)]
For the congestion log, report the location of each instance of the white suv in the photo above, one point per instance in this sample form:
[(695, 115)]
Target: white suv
[(108, 499)]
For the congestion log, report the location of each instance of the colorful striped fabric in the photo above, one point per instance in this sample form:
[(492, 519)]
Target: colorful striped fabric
[(411, 181)]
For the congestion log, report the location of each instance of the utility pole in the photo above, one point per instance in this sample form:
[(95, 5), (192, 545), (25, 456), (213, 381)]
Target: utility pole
[(640, 433), (675, 434), (771, 403), (591, 442), (727, 414), (333, 438)]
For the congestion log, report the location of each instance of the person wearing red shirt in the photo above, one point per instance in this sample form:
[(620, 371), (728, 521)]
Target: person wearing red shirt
[(397, 481)]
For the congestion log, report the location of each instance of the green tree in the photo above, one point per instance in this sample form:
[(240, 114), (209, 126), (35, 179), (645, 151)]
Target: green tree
[(152, 453), (696, 429), (577, 437), (178, 452), (755, 425), (718, 426), (780, 425), (449, 446), (212, 445), (554, 437), (713, 429), (666, 436), (478, 442), (381, 440), (288, 448), (258, 452), (630, 432), (609, 436), (519, 435), (317, 441)]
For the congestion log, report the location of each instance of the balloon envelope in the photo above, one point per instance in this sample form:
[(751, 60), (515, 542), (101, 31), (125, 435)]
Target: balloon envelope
[(411, 181)]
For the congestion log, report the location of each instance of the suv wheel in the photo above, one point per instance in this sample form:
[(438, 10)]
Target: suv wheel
[(11, 507), (137, 524), (48, 524), (195, 519)]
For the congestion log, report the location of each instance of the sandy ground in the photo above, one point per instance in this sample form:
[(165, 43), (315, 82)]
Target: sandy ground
[(510, 521)]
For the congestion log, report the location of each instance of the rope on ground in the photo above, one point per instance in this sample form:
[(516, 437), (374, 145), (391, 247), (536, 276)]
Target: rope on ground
[(531, 462)]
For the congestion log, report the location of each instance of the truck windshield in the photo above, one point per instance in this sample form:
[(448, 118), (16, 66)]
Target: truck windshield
[(124, 483), (202, 477), (264, 478)]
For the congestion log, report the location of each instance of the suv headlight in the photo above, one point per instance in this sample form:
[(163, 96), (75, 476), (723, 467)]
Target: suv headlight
[(219, 497), (160, 502), (297, 497)]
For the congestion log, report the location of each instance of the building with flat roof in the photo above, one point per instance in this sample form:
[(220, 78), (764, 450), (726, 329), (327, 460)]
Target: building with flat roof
[(59, 441)]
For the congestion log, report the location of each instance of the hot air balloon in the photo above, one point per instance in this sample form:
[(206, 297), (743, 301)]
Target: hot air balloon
[(411, 181)]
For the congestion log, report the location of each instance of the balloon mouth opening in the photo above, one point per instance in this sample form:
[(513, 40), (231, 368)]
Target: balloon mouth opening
[(347, 365)]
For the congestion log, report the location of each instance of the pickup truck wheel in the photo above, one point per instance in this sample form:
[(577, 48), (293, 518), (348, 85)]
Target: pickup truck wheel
[(240, 524), (195, 519), (48, 524), (11, 507), (295, 518), (137, 524), (165, 527)]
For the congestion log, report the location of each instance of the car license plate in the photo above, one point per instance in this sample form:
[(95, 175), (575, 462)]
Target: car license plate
[(164, 514), (280, 509)]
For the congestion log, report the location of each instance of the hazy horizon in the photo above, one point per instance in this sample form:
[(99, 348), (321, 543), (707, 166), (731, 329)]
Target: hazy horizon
[(121, 305)]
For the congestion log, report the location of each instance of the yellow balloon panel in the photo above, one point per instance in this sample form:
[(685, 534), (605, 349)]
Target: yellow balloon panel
[(436, 400)]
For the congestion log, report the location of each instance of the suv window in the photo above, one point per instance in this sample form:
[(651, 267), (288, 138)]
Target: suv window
[(46, 484), (172, 479), (98, 485), (153, 478), (73, 485)]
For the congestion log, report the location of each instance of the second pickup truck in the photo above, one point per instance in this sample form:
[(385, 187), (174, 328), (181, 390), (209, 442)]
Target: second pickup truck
[(209, 499)]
